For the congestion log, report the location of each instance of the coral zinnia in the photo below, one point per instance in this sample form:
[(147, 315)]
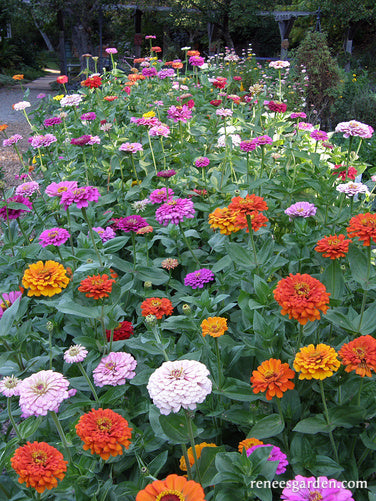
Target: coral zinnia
[(248, 205), (173, 488), (359, 355), (39, 465), (317, 362), (214, 326), (333, 246), (363, 226), (224, 220), (247, 443), (97, 286), (45, 279), (198, 449), (104, 432), (302, 297), (273, 377), (257, 220), (156, 306)]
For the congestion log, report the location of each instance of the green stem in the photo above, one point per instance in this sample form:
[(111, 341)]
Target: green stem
[(185, 454), (62, 435), (365, 452), (155, 330), (164, 154), (251, 238), (326, 413), (220, 374), (134, 249), (134, 169), (192, 441), (11, 419), (348, 157), (22, 231), (365, 293), (152, 154), (83, 372), (69, 226), (83, 210), (101, 320), (188, 245), (50, 346), (86, 166)]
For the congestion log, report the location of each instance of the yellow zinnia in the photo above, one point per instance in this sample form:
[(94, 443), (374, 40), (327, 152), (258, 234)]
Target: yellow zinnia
[(198, 448), (316, 362), (45, 279), (214, 326)]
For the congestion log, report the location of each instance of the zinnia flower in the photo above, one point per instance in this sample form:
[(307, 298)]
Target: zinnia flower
[(354, 128), (123, 330), (351, 189), (301, 209), (39, 465), (79, 196), (315, 489), (319, 135), (97, 286), (75, 353), (8, 213), (175, 211), (42, 392), (277, 107), (198, 449), (179, 113), (54, 236), (9, 386), (173, 488), (247, 205), (359, 355), (129, 223), (275, 455), (160, 195), (105, 234), (214, 326), (316, 362), (257, 220), (333, 246), (302, 297), (104, 432), (179, 384), (351, 172), (224, 220), (197, 279), (45, 279), (278, 65), (27, 189), (57, 189), (7, 299), (115, 369), (247, 443), (92, 82), (169, 263), (363, 226), (202, 162), (273, 377), (156, 306)]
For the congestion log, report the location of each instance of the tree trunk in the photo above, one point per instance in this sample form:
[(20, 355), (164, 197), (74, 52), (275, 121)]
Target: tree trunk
[(43, 34)]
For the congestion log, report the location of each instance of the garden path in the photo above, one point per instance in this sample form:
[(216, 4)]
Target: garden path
[(16, 121)]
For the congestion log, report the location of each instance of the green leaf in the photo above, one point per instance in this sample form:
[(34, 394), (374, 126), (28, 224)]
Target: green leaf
[(175, 427), (333, 279), (157, 463), (115, 244), (153, 275), (29, 426), (325, 465), (269, 426), (240, 255), (313, 425), (229, 468), (340, 320), (262, 289), (359, 266), (346, 416), (235, 389), (206, 464), (368, 321), (78, 310), (9, 316)]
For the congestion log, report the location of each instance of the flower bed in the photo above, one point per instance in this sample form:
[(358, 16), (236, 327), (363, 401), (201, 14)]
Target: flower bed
[(188, 294)]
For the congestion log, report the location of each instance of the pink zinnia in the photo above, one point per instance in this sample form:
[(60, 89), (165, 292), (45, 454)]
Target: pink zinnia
[(299, 114), (42, 141), (7, 299), (129, 223), (42, 392), (261, 140), (179, 113), (111, 50), (159, 130), (76, 353), (88, 116), (175, 211), (149, 72), (197, 279), (80, 196), (105, 234), (223, 112), (275, 455), (305, 126), (166, 173), (131, 147), (354, 128), (202, 162), (81, 141), (196, 60), (311, 489), (54, 236), (319, 135), (149, 122), (57, 189), (9, 386), (12, 140), (248, 145), (27, 189), (8, 213), (160, 195), (115, 369)]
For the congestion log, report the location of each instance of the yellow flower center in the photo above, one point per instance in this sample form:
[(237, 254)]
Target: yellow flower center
[(5, 305), (359, 352), (302, 289), (315, 496), (170, 495), (39, 457), (61, 189), (53, 234), (111, 366), (156, 303), (269, 374), (177, 373), (104, 424)]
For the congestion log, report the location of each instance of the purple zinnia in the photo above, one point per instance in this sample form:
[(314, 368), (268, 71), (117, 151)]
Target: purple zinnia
[(54, 236), (79, 196), (42, 392), (149, 72), (319, 135), (275, 455), (248, 145), (314, 489), (166, 73), (88, 116), (105, 234), (131, 147), (9, 386), (299, 114), (27, 189), (301, 209), (50, 122), (8, 213), (179, 113), (202, 162), (160, 195), (41, 141), (12, 140), (261, 140), (129, 223), (76, 353), (197, 279), (174, 211), (115, 369), (81, 141), (7, 299), (166, 173), (196, 60), (57, 189)]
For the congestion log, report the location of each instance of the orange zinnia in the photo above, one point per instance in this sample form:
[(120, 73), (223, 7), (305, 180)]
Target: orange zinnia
[(173, 488), (3, 127), (214, 326), (257, 220), (198, 449), (247, 443), (359, 355), (302, 297), (273, 377), (45, 279), (39, 465), (18, 77), (156, 306), (317, 362), (333, 246), (363, 226), (223, 219), (104, 432), (193, 53), (248, 205), (97, 286)]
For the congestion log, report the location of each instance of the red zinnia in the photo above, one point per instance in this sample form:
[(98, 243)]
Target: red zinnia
[(273, 377), (247, 205), (63, 79), (216, 102), (156, 306), (123, 331), (39, 465), (92, 82), (333, 246), (277, 107), (351, 172), (359, 355), (104, 432), (363, 226), (97, 286), (302, 297)]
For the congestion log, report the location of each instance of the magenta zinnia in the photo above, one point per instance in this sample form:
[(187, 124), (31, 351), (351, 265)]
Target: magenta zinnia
[(175, 211)]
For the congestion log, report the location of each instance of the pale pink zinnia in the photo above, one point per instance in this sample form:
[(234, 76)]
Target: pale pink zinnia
[(76, 353), (22, 105), (354, 128), (131, 147), (9, 386), (179, 384), (42, 392), (115, 369)]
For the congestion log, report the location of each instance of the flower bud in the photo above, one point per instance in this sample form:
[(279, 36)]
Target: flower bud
[(186, 309), (148, 285), (49, 326), (151, 320)]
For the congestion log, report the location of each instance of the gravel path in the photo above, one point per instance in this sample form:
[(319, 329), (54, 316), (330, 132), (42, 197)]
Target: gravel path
[(17, 123)]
